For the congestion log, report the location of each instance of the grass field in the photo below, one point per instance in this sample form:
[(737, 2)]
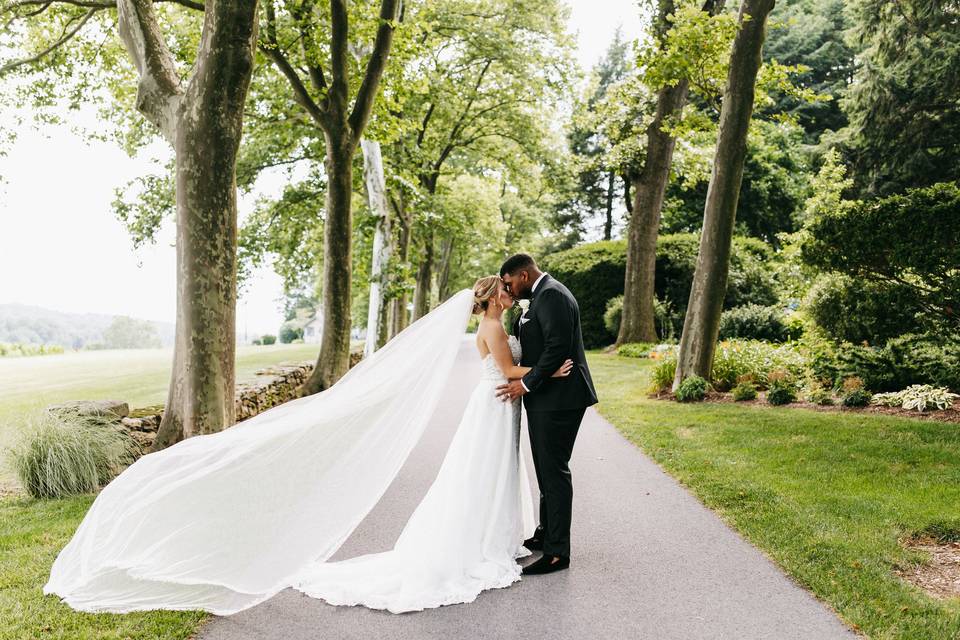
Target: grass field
[(138, 376), (826, 495)]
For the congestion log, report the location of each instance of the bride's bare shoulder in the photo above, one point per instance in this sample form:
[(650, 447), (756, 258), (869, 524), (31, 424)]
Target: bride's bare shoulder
[(492, 329)]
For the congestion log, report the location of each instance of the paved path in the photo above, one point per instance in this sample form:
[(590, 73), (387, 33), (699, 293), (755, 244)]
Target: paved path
[(648, 561)]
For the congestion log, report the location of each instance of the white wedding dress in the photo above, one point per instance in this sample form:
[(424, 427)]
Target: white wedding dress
[(222, 522), (466, 534)]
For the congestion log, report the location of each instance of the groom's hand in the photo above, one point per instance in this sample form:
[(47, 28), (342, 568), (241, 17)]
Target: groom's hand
[(510, 391)]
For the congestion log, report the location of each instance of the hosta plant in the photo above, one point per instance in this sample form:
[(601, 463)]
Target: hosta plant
[(918, 397)]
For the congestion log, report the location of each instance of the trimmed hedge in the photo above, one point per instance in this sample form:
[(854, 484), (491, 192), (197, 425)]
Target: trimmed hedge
[(756, 322), (595, 273)]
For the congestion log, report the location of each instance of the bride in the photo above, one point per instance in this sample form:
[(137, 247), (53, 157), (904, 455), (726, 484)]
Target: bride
[(224, 521)]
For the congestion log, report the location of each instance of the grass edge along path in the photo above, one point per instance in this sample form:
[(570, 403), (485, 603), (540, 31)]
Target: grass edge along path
[(826, 496), (32, 532)]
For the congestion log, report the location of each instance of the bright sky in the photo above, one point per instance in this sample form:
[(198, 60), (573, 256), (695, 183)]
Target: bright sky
[(62, 248)]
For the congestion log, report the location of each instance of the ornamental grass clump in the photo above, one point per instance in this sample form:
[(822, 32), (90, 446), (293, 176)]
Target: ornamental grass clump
[(692, 389), (63, 454), (920, 397)]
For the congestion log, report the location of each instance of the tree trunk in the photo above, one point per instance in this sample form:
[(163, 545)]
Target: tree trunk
[(702, 322), (443, 271), (421, 295), (637, 322), (399, 316), (377, 197), (334, 358), (608, 222), (207, 130)]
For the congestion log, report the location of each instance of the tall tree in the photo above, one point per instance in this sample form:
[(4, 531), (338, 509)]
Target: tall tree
[(813, 34), (487, 78), (201, 117), (904, 104), (701, 324), (649, 183), (342, 113), (596, 186), (377, 198)]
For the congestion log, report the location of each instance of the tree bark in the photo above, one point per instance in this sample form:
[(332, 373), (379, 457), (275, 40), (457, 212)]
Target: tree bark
[(702, 322), (377, 198), (342, 127), (206, 122), (649, 187), (399, 315), (443, 270), (334, 358), (608, 221), (421, 295)]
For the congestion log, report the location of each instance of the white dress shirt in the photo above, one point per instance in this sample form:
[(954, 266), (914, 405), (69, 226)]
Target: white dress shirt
[(532, 291)]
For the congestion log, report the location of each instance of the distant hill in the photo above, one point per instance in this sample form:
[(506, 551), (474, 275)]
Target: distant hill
[(37, 325)]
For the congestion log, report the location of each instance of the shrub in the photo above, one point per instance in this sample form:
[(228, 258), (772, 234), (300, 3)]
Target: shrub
[(911, 239), (635, 349), (692, 389), (11, 349), (64, 454), (664, 372), (611, 317), (744, 391), (757, 322), (735, 359), (818, 394), (850, 310), (917, 396), (853, 393), (268, 339), (906, 360), (781, 388), (595, 272)]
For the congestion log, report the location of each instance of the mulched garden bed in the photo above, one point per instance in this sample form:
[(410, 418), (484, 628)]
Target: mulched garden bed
[(940, 575), (947, 415)]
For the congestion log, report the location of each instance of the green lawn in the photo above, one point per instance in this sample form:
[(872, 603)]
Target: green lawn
[(138, 376), (32, 532), (825, 495)]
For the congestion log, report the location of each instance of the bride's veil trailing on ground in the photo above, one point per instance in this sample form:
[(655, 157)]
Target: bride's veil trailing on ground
[(224, 521)]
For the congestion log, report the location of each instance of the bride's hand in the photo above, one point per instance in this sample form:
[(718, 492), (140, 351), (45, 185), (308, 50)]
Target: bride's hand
[(564, 369)]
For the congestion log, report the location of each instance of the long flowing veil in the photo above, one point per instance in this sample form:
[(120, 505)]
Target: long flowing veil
[(223, 521)]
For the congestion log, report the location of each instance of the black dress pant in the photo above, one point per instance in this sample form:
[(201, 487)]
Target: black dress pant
[(552, 434)]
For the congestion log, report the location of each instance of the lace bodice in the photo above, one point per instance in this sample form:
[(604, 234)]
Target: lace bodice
[(490, 369)]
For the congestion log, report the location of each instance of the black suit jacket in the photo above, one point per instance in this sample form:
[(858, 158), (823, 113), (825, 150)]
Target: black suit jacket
[(550, 335)]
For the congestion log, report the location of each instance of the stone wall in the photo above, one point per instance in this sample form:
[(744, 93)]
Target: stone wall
[(269, 387)]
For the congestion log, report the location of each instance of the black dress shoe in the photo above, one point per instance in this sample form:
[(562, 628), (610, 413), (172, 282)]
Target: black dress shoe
[(546, 564), (534, 543)]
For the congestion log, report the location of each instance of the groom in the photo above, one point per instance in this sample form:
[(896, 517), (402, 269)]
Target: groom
[(549, 333)]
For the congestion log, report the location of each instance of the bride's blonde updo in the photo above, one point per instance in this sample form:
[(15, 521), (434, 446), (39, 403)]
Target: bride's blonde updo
[(484, 290)]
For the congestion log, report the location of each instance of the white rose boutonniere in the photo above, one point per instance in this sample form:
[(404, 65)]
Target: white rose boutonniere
[(524, 306)]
